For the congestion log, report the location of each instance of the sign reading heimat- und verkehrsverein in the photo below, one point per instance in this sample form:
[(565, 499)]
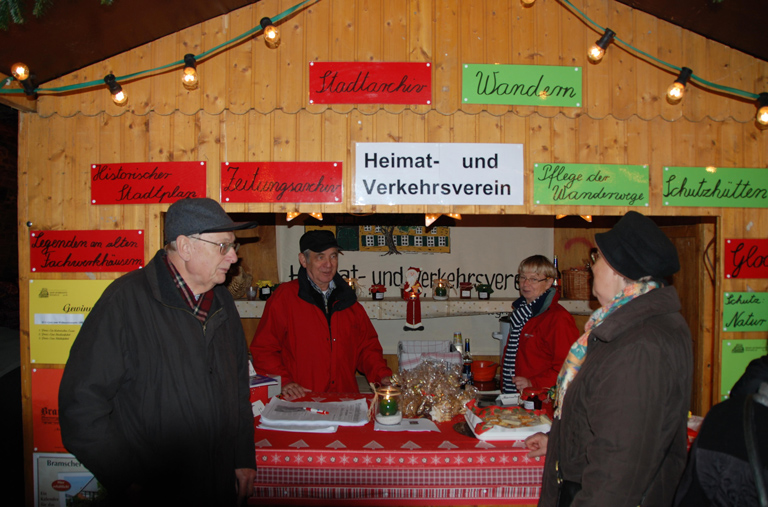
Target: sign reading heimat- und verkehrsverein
[(439, 173)]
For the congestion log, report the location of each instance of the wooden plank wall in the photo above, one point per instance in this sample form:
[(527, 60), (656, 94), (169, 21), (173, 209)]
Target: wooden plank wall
[(252, 105)]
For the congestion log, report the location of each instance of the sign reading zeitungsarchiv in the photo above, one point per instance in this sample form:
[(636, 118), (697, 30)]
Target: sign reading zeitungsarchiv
[(745, 258), (439, 173), (319, 182), (521, 85), (715, 187), (85, 251), (745, 311), (146, 182), (370, 83), (590, 184)]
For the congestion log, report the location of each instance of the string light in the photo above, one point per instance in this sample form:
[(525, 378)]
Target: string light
[(431, 218), (271, 33), (189, 77), (20, 71), (597, 51), (677, 89), (118, 95), (762, 109), (293, 214)]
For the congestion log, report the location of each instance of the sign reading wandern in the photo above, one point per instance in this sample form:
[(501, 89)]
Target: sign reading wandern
[(146, 182), (281, 182), (745, 311), (590, 184), (439, 173), (745, 258), (370, 83), (715, 187), (522, 85), (86, 251)]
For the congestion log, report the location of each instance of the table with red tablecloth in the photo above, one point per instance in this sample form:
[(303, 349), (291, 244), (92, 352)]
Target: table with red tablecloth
[(361, 466)]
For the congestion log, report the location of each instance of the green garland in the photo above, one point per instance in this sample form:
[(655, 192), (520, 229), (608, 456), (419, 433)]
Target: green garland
[(11, 11)]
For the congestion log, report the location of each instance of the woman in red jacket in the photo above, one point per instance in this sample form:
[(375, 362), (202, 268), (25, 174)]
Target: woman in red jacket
[(541, 332)]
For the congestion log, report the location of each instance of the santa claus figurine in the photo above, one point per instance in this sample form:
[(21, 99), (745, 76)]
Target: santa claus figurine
[(411, 291)]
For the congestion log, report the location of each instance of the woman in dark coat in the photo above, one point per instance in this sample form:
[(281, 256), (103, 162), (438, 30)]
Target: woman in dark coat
[(619, 435)]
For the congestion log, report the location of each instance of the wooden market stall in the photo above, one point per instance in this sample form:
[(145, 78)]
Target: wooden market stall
[(252, 105)]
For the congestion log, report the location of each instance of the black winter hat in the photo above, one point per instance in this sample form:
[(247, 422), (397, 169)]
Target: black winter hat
[(318, 240), (198, 216), (636, 247)]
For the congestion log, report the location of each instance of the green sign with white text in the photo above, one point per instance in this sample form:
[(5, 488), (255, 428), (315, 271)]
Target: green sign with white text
[(745, 311), (522, 85), (590, 184), (715, 187)]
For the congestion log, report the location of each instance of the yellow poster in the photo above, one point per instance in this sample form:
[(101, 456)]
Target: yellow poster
[(57, 309)]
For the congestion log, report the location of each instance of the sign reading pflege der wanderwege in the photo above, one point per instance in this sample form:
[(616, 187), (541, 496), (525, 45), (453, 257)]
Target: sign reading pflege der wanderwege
[(439, 173)]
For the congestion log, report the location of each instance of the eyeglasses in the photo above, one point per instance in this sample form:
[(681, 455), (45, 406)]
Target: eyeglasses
[(595, 256), (224, 248), (522, 279)]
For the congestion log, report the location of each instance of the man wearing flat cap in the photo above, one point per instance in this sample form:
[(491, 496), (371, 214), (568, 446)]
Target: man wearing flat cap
[(154, 399), (313, 332)]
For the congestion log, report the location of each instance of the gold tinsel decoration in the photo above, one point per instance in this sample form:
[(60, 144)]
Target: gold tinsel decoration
[(239, 283)]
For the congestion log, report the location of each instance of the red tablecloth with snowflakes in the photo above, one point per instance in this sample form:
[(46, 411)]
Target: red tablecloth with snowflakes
[(357, 465)]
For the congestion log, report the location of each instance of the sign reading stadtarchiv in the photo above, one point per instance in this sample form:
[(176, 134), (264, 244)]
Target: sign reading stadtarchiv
[(715, 187), (439, 173), (590, 184), (745, 311), (521, 85), (370, 82)]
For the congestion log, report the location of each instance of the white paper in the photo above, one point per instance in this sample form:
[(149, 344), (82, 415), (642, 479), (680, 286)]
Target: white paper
[(299, 428), (420, 424), (345, 413)]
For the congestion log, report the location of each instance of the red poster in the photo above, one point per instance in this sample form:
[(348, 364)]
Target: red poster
[(80, 251), (319, 182), (746, 258), (146, 182), (46, 432), (370, 83)]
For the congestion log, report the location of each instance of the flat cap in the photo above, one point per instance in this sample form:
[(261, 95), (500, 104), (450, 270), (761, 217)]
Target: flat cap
[(318, 240), (198, 216)]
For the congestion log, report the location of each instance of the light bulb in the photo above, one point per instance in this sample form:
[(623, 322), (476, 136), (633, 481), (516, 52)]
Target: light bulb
[(120, 97), (316, 215), (596, 53), (675, 92), (430, 218), (20, 71), (189, 78), (272, 36), (291, 215), (762, 115)]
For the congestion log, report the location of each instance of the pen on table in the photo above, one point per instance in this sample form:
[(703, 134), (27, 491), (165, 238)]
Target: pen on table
[(316, 411)]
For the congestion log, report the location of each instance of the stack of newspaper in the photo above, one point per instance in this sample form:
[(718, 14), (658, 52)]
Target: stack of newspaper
[(317, 417)]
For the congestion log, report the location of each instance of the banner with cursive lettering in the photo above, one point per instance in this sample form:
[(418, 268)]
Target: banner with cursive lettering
[(370, 83), (319, 182), (715, 187), (439, 173), (521, 85), (81, 251), (146, 182), (745, 311), (745, 258), (591, 184)]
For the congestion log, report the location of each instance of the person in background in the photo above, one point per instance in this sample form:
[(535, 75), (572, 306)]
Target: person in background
[(541, 331), (755, 374), (619, 435), (154, 399), (313, 332)]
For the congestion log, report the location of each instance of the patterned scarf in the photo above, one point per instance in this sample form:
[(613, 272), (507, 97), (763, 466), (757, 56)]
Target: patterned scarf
[(578, 351), (520, 316), (200, 306)]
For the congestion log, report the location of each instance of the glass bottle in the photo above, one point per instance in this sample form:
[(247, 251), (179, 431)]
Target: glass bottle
[(557, 284), (466, 372)]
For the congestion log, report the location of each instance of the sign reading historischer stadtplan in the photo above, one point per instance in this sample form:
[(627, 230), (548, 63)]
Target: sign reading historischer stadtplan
[(439, 173)]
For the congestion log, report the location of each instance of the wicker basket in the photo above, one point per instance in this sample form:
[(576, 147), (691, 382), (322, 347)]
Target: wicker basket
[(577, 284)]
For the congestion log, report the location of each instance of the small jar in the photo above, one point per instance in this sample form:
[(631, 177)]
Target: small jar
[(388, 405), (265, 292)]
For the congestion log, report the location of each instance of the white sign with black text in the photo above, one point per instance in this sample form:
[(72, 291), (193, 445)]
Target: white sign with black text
[(439, 173)]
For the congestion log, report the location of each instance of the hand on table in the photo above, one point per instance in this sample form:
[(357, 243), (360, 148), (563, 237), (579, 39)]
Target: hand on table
[(537, 443), (386, 381), (294, 391), (245, 478), (521, 383)]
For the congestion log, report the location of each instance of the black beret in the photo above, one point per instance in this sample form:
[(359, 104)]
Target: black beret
[(636, 248)]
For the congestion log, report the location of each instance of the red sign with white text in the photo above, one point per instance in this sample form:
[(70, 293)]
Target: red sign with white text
[(370, 83), (319, 182), (146, 182), (80, 251), (746, 258), (46, 432)]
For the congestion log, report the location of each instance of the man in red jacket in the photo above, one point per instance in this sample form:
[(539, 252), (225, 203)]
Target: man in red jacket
[(313, 332)]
